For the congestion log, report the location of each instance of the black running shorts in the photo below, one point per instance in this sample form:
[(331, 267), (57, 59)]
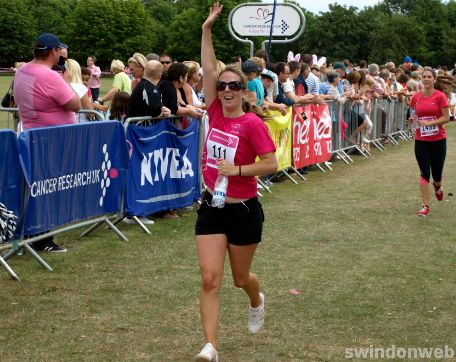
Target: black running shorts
[(242, 223)]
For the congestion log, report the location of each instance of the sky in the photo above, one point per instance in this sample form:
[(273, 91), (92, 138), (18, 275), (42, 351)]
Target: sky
[(316, 6)]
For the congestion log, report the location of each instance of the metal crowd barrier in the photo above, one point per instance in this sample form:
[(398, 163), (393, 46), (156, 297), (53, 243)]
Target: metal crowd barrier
[(99, 116), (177, 121), (25, 243), (12, 117), (388, 117)]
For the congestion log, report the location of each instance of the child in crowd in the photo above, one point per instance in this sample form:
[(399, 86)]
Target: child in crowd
[(118, 109), (85, 72)]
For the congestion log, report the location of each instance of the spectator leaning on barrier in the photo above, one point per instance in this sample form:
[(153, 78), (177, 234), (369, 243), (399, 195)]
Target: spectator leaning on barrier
[(267, 80), (272, 90), (120, 83), (73, 76), (362, 67), (118, 107), (145, 99), (344, 85), (283, 71), (295, 71), (385, 76), (136, 64), (300, 81), (311, 80), (334, 80), (289, 85), (193, 78), (94, 80), (379, 83), (170, 85), (255, 89), (44, 98)]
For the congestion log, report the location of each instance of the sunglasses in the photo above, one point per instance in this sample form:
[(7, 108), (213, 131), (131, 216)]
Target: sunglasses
[(166, 62), (232, 86)]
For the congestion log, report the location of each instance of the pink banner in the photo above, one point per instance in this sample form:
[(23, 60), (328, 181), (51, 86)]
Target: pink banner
[(312, 139)]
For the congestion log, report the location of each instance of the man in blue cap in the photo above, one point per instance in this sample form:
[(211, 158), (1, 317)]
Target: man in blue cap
[(44, 98), (407, 62)]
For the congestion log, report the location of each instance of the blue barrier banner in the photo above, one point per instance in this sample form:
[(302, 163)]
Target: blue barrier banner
[(163, 172), (11, 177), (73, 172)]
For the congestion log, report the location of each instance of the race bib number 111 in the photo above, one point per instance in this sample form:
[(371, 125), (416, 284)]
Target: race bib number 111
[(220, 145)]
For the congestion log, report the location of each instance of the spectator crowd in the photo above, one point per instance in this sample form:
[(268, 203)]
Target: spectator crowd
[(159, 86)]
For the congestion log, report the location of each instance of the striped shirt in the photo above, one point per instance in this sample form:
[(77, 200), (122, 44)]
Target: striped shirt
[(312, 83)]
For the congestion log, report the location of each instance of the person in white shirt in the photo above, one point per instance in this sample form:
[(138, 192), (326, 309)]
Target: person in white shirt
[(72, 75)]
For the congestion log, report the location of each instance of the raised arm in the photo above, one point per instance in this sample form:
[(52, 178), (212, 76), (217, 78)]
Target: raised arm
[(208, 59)]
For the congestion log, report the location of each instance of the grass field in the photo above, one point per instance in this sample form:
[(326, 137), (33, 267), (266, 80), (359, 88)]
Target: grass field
[(369, 272)]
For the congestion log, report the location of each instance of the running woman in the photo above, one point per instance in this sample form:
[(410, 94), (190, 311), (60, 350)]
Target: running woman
[(239, 137), (432, 110)]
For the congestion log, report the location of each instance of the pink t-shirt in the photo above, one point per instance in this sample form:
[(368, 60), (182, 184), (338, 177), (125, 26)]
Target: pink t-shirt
[(94, 80), (40, 94), (248, 137), (429, 107)]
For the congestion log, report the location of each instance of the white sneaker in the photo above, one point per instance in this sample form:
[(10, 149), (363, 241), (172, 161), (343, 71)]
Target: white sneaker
[(256, 316), (207, 354), (144, 220)]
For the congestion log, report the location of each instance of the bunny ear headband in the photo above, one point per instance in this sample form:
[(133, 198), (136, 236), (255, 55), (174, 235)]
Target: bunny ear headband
[(293, 58), (318, 62)]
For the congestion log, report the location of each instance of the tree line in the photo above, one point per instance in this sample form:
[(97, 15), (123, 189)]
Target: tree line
[(115, 29)]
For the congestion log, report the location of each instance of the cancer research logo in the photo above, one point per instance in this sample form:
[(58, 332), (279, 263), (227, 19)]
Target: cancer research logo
[(266, 15), (284, 26), (109, 173)]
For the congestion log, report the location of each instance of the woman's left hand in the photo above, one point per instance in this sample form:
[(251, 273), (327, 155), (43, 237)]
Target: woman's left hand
[(226, 168)]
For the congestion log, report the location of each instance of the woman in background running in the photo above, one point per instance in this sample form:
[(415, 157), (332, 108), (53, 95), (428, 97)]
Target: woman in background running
[(432, 112)]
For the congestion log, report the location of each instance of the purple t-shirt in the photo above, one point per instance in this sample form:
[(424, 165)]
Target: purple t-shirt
[(40, 94)]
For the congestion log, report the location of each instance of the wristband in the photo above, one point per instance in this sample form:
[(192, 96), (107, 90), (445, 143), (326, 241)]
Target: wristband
[(240, 173)]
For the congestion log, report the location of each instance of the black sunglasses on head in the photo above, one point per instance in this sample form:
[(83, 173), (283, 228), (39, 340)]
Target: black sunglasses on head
[(232, 86)]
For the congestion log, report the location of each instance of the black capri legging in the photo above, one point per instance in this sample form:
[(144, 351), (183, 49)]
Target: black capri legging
[(430, 156)]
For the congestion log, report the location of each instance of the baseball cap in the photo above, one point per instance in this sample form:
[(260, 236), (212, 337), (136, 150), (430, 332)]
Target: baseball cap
[(249, 66), (339, 65), (267, 75), (48, 41)]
